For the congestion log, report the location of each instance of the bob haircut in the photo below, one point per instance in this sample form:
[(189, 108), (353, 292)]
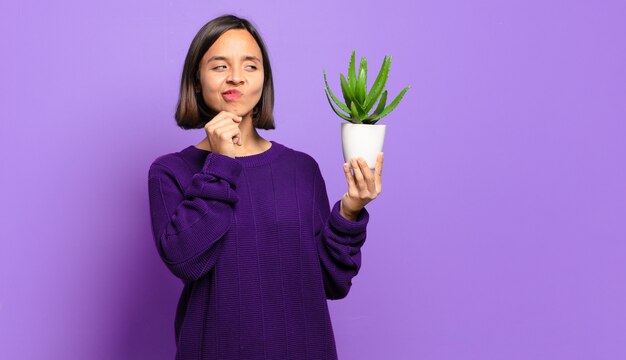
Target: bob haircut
[(191, 110)]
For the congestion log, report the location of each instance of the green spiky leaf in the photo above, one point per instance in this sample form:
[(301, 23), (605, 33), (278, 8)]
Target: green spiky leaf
[(356, 118), (361, 83), (349, 92), (345, 90), (352, 72), (345, 117), (379, 84), (379, 108), (335, 99), (393, 104)]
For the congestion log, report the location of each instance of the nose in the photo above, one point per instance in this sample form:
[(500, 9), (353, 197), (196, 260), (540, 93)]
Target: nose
[(234, 76)]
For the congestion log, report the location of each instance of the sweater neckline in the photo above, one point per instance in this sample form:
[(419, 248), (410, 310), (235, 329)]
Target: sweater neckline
[(262, 158)]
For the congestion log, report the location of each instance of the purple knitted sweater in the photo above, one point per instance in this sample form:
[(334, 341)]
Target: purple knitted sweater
[(259, 251)]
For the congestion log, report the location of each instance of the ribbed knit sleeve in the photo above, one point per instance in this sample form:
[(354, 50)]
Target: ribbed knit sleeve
[(188, 224), (339, 242)]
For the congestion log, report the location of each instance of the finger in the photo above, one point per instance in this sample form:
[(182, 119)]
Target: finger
[(230, 132), (231, 116), (236, 140), (360, 182), (349, 177), (367, 174), (234, 134), (378, 173), (225, 126), (224, 120)]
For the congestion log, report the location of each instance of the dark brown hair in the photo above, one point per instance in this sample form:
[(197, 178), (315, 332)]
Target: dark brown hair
[(191, 110)]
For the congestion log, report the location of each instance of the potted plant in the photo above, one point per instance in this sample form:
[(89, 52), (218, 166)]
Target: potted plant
[(361, 136)]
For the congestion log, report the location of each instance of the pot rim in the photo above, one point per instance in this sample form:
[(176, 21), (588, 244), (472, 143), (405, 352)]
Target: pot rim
[(348, 124)]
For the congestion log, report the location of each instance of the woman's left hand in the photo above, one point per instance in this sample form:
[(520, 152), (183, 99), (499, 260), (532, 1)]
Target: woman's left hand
[(363, 187)]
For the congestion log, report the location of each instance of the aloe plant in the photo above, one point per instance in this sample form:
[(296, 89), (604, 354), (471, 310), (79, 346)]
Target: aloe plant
[(358, 101)]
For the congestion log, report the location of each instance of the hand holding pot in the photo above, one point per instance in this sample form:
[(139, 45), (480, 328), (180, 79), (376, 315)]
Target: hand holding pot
[(363, 187)]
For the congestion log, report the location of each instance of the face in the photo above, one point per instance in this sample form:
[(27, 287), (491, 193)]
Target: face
[(233, 62)]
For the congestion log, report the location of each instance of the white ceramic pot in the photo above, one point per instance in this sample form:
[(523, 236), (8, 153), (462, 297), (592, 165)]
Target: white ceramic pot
[(362, 140)]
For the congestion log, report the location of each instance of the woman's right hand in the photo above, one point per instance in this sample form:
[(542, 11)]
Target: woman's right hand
[(223, 133)]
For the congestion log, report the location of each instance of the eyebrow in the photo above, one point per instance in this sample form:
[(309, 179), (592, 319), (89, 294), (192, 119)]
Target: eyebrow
[(245, 57)]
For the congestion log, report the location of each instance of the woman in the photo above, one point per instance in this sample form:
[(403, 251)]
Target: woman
[(245, 222)]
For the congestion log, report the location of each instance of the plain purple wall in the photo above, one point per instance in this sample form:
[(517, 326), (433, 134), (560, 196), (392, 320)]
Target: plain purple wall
[(501, 229)]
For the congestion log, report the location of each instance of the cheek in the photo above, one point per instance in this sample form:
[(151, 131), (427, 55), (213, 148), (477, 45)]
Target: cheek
[(259, 85), (209, 84), (258, 93), (210, 93)]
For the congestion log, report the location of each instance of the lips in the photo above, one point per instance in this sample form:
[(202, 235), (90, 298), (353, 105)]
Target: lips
[(231, 94)]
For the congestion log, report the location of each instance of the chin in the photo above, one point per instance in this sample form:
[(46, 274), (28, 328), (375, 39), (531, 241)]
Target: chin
[(236, 110), (244, 114)]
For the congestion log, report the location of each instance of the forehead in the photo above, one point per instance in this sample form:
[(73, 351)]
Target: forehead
[(234, 43)]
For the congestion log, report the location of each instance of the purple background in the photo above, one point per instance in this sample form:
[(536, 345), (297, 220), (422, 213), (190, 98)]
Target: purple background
[(501, 229)]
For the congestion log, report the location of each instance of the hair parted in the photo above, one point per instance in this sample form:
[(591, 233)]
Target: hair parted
[(191, 110)]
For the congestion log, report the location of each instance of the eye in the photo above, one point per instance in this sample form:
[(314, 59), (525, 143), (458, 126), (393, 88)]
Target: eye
[(219, 66), (252, 66)]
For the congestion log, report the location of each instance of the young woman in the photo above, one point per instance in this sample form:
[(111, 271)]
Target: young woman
[(246, 223)]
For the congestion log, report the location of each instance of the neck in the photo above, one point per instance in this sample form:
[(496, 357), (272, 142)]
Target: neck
[(249, 136)]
